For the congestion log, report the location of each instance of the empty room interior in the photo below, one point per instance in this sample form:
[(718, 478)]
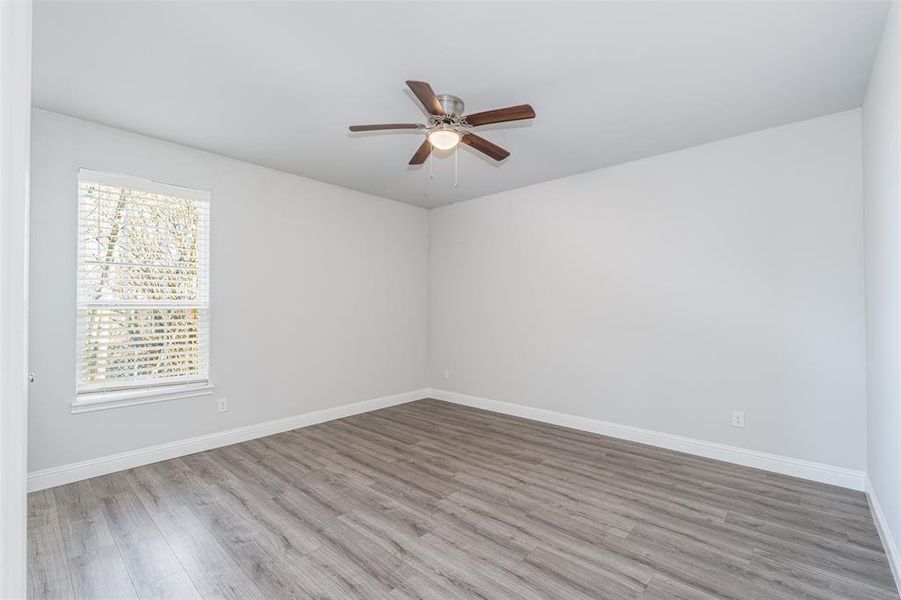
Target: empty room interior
[(561, 300)]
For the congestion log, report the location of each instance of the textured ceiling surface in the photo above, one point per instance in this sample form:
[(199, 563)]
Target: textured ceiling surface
[(277, 84)]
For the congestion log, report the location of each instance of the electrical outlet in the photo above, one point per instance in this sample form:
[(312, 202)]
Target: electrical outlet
[(447, 373), (222, 405), (738, 418)]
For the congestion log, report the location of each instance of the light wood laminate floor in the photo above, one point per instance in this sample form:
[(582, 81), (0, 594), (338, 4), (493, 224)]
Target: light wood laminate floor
[(434, 500)]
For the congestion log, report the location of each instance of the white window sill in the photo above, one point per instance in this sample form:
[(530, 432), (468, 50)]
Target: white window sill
[(91, 401)]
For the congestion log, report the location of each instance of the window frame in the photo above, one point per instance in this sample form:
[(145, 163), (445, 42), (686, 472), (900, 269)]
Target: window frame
[(89, 401)]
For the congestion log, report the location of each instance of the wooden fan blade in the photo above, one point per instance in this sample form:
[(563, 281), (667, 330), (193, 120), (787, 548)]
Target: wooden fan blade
[(427, 96), (385, 126), (484, 146), (422, 153), (501, 115)]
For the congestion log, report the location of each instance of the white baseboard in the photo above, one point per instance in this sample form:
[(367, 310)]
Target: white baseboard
[(847, 478), (823, 473), (892, 552), (52, 477)]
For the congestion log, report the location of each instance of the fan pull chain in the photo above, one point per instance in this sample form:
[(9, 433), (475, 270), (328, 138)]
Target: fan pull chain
[(431, 172), (455, 166)]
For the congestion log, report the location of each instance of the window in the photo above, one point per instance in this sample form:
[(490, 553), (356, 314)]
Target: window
[(143, 290)]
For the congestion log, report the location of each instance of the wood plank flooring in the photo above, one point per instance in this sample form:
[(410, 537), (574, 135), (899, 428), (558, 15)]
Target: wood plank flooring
[(434, 500)]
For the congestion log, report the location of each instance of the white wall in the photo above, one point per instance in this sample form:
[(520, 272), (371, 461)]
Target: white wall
[(882, 219), (665, 292), (660, 294), (318, 293)]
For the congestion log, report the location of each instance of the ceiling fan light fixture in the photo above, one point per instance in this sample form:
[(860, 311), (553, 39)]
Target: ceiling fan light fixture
[(444, 139), (448, 126)]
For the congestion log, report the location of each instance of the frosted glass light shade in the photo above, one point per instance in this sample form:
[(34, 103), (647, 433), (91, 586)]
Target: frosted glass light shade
[(444, 139)]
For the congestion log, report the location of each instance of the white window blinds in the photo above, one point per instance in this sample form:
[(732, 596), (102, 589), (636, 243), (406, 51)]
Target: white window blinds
[(143, 284)]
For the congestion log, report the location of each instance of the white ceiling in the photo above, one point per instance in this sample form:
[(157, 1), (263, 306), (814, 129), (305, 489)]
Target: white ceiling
[(278, 83)]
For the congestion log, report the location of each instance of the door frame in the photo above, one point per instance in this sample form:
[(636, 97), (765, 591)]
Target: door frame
[(15, 158)]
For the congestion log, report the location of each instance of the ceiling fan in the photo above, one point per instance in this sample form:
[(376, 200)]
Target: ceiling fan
[(448, 126)]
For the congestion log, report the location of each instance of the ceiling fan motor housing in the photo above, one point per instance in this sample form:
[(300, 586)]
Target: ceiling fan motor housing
[(451, 104)]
